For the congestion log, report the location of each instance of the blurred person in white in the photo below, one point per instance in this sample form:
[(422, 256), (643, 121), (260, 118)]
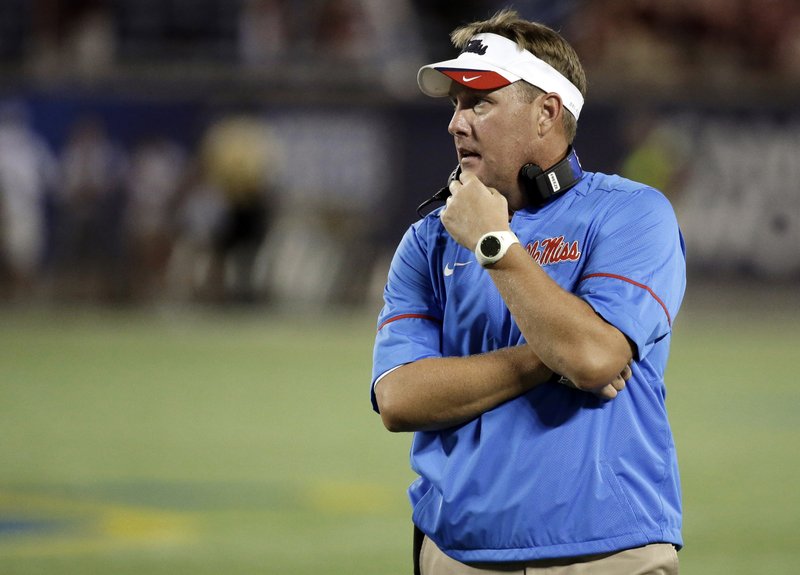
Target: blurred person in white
[(27, 173), (157, 170), (90, 209)]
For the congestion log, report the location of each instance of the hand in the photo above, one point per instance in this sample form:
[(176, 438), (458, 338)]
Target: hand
[(473, 210), (608, 391)]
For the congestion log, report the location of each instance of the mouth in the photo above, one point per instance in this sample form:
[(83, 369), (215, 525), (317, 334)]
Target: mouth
[(467, 155)]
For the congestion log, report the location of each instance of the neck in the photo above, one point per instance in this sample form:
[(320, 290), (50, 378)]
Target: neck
[(554, 155)]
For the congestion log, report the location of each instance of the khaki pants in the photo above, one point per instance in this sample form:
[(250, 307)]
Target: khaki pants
[(654, 559)]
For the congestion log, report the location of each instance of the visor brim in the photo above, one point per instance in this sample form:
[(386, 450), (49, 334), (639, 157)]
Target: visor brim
[(435, 79)]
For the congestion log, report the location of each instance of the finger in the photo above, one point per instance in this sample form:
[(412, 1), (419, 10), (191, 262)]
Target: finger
[(465, 177), (627, 373), (447, 203), (607, 392)]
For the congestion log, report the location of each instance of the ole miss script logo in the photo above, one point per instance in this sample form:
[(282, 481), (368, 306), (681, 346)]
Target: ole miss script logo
[(553, 251), (475, 46)]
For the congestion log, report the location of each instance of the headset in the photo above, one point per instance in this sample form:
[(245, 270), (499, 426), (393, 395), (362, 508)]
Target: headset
[(540, 186)]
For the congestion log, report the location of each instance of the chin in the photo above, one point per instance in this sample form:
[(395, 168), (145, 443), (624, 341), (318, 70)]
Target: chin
[(471, 164)]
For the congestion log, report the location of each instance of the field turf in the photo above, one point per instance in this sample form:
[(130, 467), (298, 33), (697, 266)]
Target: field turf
[(241, 442)]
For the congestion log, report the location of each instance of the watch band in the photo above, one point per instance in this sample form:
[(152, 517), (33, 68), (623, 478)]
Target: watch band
[(493, 246)]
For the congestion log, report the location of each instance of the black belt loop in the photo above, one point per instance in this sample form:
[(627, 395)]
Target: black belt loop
[(418, 537)]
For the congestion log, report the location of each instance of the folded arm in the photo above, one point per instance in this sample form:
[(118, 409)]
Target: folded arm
[(436, 393), (562, 329)]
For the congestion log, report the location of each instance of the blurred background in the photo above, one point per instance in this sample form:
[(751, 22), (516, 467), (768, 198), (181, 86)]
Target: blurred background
[(198, 204)]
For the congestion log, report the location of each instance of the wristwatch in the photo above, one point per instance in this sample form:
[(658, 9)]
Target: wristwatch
[(493, 246)]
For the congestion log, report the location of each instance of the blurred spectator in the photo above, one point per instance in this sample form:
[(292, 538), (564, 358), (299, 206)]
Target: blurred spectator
[(688, 41), (400, 45), (27, 175), (659, 151), (227, 212), (200, 209), (73, 36), (340, 43), (90, 209), (343, 32), (264, 31), (156, 172), (771, 29)]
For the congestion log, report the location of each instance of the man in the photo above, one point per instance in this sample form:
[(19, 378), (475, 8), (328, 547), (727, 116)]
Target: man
[(526, 330)]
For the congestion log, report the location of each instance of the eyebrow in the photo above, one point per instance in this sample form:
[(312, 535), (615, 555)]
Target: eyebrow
[(459, 89)]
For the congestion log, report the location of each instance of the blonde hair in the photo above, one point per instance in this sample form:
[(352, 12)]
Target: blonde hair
[(538, 39)]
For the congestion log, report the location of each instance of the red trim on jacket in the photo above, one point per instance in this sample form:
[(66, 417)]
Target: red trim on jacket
[(409, 316), (637, 284)]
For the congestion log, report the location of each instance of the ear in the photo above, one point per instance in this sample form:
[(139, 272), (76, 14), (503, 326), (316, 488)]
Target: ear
[(549, 113)]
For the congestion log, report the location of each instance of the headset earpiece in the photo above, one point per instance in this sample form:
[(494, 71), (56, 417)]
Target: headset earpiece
[(540, 186), (530, 171)]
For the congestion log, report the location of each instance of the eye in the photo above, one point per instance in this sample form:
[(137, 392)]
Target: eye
[(480, 103), (470, 102)]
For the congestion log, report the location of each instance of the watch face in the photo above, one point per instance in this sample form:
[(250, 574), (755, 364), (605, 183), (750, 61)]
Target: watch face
[(490, 246)]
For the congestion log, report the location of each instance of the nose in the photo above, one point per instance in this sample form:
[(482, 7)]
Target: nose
[(458, 126)]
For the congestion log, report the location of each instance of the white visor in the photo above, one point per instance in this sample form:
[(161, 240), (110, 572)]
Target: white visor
[(491, 61)]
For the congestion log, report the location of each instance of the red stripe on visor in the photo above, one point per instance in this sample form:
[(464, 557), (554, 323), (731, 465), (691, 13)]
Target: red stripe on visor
[(476, 79)]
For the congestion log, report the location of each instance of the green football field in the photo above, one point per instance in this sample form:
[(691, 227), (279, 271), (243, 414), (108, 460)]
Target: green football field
[(200, 442)]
